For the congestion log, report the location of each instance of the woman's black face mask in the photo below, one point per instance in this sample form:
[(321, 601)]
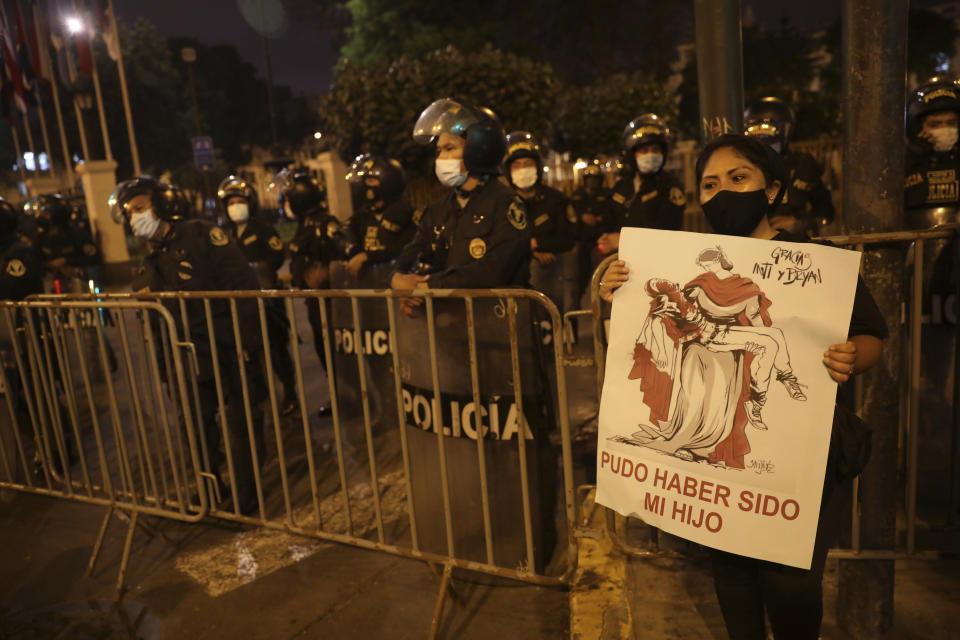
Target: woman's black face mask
[(736, 213)]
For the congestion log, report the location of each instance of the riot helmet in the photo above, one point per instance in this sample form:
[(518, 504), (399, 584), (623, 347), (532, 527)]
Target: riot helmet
[(50, 209), (479, 127), (388, 174), (522, 144), (937, 95), (592, 173), (647, 129), (9, 222), (168, 202), (299, 192), (770, 120), (237, 187)]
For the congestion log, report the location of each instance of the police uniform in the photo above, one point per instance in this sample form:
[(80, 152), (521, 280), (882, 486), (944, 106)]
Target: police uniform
[(655, 202), (196, 255), (594, 203), (554, 227), (58, 243), (262, 247), (22, 273), (318, 241), (806, 198), (89, 253), (383, 235), (932, 178), (483, 244)]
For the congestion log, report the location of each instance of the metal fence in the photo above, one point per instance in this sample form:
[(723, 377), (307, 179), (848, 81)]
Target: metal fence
[(448, 439), (928, 358)]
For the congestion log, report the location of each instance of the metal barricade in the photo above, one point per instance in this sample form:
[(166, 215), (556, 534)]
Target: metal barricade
[(912, 322), (85, 424), (338, 478)]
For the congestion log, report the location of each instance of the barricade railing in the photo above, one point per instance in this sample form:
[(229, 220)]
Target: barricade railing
[(919, 258), (440, 451), (94, 418)]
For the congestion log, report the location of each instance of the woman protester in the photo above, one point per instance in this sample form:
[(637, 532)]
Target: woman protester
[(740, 182)]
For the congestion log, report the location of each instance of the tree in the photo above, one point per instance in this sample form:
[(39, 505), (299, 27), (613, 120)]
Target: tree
[(591, 119), (373, 108)]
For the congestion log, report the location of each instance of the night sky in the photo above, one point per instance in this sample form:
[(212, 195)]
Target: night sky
[(302, 55)]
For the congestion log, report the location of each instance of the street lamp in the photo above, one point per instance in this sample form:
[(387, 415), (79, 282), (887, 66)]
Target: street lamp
[(74, 24), (317, 135)]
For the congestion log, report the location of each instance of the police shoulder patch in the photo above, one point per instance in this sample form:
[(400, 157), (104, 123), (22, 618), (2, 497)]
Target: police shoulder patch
[(678, 197), (16, 268), (275, 243), (478, 248), (217, 237), (517, 215), (250, 239), (571, 214)]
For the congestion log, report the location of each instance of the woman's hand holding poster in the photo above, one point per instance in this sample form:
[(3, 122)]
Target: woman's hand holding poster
[(717, 409)]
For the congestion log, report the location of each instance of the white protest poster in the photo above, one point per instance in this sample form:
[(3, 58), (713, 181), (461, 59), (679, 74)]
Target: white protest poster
[(717, 409)]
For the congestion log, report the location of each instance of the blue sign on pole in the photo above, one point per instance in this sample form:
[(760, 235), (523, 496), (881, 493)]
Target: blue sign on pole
[(202, 152)]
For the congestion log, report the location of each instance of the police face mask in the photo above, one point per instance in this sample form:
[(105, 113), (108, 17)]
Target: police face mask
[(239, 212), (287, 211), (649, 162), (944, 138), (736, 213), (525, 177), (144, 224), (448, 172)]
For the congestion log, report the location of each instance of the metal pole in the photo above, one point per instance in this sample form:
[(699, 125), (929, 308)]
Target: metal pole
[(269, 69), (95, 76), (83, 130), (874, 64), (46, 135), (68, 164), (30, 146), (719, 66), (128, 114), (16, 147)]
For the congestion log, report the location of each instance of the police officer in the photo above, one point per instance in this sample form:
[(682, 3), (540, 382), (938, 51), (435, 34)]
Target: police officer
[(477, 234), (652, 197), (89, 256), (263, 249), (554, 219), (196, 255), (60, 247), (806, 203), (595, 217), (22, 273), (319, 240), (933, 159), (383, 221)]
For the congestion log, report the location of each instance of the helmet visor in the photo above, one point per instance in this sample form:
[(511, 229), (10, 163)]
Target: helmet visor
[(444, 116)]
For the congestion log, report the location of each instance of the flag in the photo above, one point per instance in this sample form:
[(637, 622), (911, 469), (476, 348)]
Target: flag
[(108, 29), (28, 77), (41, 33), (12, 71), (66, 66)]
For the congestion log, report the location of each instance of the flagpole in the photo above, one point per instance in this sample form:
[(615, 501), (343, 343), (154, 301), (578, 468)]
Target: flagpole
[(24, 116), (96, 86), (16, 147), (134, 150), (45, 134), (83, 130), (67, 161)]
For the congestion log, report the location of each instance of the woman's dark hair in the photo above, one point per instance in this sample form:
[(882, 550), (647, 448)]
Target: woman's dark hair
[(754, 151)]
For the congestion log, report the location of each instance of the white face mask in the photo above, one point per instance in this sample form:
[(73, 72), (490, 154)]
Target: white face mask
[(649, 162), (239, 212), (144, 224), (525, 178), (287, 211), (448, 172), (943, 138)]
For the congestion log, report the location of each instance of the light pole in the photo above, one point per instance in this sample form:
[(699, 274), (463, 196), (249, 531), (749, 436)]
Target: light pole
[(189, 56)]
